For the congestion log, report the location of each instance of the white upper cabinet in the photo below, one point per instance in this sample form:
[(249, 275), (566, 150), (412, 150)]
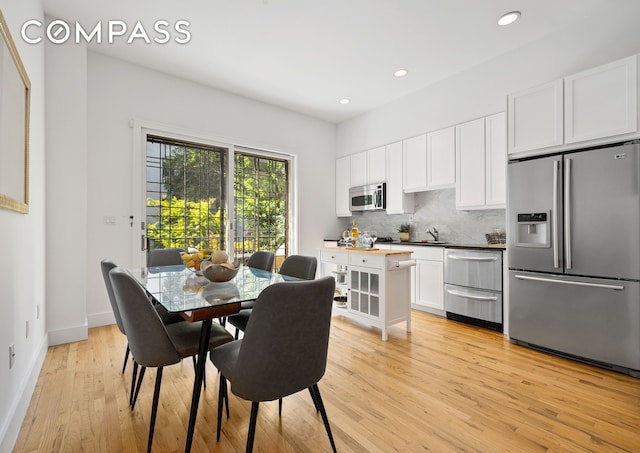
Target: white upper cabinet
[(495, 152), (376, 165), (602, 102), (535, 118), (481, 163), (359, 169), (593, 107), (470, 174), (398, 202), (415, 163), (441, 158), (343, 182)]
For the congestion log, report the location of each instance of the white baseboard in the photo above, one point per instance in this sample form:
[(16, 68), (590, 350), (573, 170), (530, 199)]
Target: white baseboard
[(9, 433), (68, 335), (101, 319)]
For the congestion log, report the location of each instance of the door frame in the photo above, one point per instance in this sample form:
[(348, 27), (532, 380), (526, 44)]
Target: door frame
[(142, 128), (139, 177)]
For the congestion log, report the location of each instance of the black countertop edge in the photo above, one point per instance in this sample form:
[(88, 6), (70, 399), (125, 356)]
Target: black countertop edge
[(449, 245)]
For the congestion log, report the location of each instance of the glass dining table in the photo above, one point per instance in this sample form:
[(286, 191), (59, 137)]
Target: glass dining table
[(180, 290)]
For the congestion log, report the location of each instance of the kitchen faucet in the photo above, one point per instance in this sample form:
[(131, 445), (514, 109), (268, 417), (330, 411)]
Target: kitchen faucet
[(433, 233)]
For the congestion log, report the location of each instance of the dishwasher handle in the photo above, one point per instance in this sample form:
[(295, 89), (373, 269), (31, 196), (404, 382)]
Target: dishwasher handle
[(471, 258), (458, 293)]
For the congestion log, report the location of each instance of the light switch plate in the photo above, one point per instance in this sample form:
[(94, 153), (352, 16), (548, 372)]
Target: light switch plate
[(12, 355)]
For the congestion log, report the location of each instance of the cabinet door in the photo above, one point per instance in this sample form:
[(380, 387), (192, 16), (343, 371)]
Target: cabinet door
[(415, 164), (377, 165), (601, 102), (495, 152), (398, 202), (441, 158), (359, 169), (429, 284), (343, 182), (365, 291), (535, 118), (470, 164)]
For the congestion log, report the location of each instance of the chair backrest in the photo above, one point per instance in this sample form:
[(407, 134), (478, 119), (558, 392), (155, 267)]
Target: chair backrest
[(284, 349), (299, 266), (262, 259), (164, 257), (148, 339), (106, 266)]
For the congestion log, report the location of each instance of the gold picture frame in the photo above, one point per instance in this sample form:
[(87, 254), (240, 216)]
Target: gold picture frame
[(15, 97)]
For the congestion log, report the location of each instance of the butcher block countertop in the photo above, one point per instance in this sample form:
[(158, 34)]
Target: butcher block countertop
[(372, 251)]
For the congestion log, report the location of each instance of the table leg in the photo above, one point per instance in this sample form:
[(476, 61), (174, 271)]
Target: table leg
[(203, 349)]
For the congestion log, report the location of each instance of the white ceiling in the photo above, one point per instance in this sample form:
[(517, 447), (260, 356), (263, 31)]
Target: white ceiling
[(305, 55)]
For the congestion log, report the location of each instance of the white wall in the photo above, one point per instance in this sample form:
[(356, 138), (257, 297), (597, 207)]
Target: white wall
[(23, 250), (482, 90), (66, 192), (119, 92)]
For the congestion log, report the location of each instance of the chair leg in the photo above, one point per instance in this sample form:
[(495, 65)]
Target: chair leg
[(314, 398), (314, 388), (138, 385), (237, 334), (252, 426), (126, 357), (226, 398), (133, 381), (154, 407), (279, 407), (222, 390)]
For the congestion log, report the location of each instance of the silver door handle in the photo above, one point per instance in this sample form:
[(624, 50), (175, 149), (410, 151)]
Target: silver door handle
[(470, 296), (569, 282), (567, 212), (554, 216), (472, 258)]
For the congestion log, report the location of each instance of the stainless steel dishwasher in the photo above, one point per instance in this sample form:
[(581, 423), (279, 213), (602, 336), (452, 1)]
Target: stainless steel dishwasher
[(473, 287)]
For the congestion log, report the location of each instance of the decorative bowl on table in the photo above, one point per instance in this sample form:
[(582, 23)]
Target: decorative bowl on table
[(222, 272)]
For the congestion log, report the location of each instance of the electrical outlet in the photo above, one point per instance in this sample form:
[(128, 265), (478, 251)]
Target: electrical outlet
[(27, 330), (12, 355)]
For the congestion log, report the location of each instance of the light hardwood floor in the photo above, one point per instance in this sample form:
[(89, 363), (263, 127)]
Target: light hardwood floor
[(443, 387)]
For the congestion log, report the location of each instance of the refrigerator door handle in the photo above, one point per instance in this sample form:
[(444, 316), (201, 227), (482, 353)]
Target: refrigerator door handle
[(569, 282), (567, 212), (554, 214)]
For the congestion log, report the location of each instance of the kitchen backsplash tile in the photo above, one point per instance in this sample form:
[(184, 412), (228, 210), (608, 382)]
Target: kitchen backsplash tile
[(436, 207)]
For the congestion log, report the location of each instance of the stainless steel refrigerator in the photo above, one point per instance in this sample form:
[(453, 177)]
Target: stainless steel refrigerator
[(574, 255)]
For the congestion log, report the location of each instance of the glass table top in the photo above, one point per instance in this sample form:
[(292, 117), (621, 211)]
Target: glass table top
[(179, 289)]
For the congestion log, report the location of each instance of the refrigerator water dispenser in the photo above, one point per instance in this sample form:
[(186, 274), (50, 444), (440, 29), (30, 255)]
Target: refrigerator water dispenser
[(533, 229)]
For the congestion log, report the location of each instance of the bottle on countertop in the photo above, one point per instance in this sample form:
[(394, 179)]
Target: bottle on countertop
[(354, 231)]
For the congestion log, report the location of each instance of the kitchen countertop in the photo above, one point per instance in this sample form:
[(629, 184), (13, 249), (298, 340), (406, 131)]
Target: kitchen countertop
[(460, 245), (382, 252)]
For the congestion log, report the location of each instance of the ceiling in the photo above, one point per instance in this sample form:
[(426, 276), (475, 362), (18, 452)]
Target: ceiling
[(306, 55)]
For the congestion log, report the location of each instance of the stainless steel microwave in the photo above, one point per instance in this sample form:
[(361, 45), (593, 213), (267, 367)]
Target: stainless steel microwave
[(368, 198)]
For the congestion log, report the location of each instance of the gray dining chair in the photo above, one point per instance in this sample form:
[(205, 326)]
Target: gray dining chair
[(152, 343), (263, 260), (167, 318), (164, 257), (283, 351), (298, 266)]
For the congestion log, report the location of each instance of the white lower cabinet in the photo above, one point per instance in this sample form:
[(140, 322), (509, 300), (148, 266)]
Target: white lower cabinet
[(427, 278)]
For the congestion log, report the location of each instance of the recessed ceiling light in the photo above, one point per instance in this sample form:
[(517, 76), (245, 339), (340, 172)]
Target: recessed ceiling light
[(509, 18), (345, 101), (401, 73)]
